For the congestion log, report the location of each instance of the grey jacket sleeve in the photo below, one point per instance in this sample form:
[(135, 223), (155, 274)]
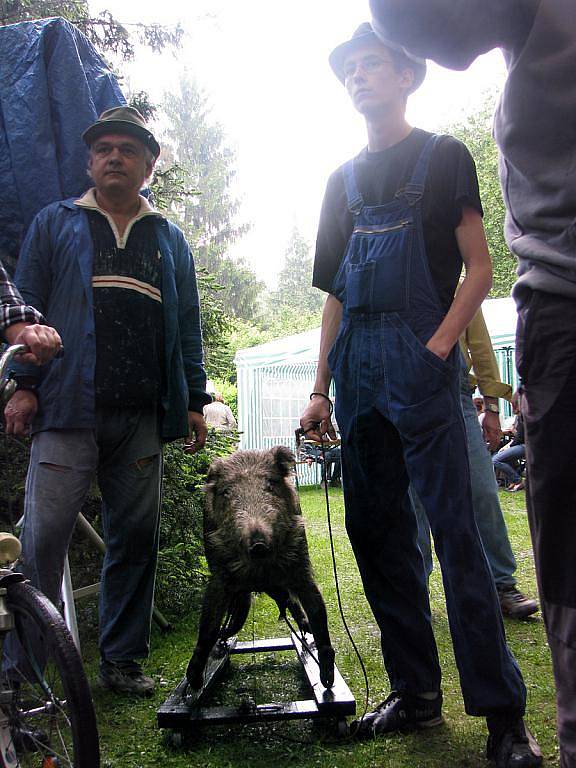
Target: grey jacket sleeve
[(454, 32)]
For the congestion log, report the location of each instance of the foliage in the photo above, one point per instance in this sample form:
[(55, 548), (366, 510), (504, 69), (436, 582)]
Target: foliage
[(14, 461), (475, 130), (105, 32), (215, 325), (282, 321), (181, 564), (196, 144), (295, 289)]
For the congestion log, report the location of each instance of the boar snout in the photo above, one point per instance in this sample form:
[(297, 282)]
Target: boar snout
[(258, 546), (258, 549)]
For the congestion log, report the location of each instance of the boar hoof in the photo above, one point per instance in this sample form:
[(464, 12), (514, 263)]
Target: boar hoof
[(195, 676), (326, 657)]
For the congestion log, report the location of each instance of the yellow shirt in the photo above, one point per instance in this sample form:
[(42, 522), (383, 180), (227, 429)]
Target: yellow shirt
[(476, 347)]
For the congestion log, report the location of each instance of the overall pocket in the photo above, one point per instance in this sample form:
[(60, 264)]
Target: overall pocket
[(378, 272)]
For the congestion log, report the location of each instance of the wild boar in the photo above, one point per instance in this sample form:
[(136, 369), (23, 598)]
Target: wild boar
[(255, 541)]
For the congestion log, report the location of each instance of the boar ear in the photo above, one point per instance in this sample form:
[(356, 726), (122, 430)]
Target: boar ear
[(284, 459), (215, 471)]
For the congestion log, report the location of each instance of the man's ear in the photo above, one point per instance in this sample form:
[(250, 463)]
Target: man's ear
[(407, 79)]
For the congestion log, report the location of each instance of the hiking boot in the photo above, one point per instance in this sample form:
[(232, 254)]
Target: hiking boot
[(514, 604), (125, 677), (511, 745), (401, 711)]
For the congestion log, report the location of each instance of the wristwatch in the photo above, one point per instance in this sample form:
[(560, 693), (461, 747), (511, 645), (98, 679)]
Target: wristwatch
[(492, 407), (26, 383)]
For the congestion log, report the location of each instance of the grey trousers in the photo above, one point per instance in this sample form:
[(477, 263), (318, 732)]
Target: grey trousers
[(546, 359), (124, 453)]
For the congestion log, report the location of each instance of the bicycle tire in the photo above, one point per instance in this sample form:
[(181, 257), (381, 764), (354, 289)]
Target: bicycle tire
[(59, 677)]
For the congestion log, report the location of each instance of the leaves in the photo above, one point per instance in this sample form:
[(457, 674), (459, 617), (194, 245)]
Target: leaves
[(475, 130)]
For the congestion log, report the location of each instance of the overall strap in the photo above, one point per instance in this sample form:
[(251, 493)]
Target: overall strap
[(353, 196), (414, 190)]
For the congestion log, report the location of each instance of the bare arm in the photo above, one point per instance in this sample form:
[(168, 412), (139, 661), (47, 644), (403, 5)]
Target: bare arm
[(315, 420), (454, 32), (474, 289)]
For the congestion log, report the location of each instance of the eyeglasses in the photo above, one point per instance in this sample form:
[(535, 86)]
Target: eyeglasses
[(368, 64)]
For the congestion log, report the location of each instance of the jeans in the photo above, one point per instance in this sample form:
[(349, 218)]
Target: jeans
[(125, 453), (485, 502), (505, 459)]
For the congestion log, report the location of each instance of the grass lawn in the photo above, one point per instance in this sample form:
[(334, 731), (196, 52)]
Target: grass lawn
[(130, 738)]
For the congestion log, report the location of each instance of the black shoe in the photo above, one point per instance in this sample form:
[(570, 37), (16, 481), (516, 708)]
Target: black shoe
[(511, 745), (401, 711), (514, 604), (125, 677)]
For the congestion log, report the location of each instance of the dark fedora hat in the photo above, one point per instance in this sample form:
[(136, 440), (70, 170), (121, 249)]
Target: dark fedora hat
[(122, 120), (365, 34)]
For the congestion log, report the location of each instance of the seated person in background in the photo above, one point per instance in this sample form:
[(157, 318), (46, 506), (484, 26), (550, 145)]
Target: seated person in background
[(219, 415), (506, 459), (333, 466), (311, 451)]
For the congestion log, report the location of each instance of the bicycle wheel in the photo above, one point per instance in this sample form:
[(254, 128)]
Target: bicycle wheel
[(46, 697)]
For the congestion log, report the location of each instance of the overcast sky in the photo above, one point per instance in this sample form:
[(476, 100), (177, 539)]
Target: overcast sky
[(263, 65)]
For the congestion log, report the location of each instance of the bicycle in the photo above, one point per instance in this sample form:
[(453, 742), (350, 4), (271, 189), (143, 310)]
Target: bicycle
[(47, 717)]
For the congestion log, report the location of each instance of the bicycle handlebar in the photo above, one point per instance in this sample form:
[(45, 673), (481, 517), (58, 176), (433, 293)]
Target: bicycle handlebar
[(6, 359)]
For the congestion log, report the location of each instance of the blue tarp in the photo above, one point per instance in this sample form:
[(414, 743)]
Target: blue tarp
[(53, 85)]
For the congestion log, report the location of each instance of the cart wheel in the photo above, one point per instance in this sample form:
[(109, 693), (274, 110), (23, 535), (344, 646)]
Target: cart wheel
[(342, 728)]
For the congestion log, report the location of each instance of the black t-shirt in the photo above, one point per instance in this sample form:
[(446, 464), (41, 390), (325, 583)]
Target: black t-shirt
[(451, 184)]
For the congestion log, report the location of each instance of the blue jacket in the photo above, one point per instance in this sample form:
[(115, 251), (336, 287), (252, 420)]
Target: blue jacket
[(55, 275)]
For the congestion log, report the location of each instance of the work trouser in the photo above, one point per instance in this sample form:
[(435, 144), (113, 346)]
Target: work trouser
[(546, 359)]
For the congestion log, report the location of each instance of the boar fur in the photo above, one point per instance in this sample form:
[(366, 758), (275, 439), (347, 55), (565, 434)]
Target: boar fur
[(255, 541)]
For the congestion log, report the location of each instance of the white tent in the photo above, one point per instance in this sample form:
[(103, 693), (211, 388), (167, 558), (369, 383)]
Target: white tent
[(275, 379)]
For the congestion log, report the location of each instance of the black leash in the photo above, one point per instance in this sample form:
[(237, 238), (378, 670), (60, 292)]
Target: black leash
[(335, 574)]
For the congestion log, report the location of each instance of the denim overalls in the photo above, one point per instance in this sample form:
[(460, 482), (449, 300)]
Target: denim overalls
[(398, 409)]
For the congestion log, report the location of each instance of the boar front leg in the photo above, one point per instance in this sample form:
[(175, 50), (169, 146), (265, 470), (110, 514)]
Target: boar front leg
[(313, 603), (214, 608), (239, 609), (284, 600)]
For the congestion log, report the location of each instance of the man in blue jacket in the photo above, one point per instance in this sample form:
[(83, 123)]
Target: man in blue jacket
[(117, 280)]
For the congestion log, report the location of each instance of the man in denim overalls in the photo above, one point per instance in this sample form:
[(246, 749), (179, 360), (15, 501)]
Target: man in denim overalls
[(390, 342)]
